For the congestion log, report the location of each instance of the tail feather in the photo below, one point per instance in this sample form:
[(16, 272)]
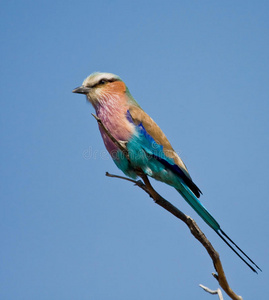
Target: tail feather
[(225, 235), (238, 254), (192, 200)]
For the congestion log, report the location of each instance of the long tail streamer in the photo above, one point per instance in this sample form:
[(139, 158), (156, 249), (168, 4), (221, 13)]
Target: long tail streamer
[(224, 236), (210, 220)]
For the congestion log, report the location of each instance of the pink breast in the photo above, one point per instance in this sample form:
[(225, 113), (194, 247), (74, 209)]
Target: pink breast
[(117, 124)]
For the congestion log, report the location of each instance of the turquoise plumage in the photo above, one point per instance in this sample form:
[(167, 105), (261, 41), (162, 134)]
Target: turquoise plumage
[(148, 148), (146, 154)]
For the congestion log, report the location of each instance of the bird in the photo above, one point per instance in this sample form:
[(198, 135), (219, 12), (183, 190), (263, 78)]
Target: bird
[(149, 150)]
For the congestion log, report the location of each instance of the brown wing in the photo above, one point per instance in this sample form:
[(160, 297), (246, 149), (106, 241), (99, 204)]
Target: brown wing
[(139, 116)]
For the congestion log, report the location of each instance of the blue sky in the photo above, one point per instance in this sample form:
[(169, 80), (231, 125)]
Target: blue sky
[(200, 69)]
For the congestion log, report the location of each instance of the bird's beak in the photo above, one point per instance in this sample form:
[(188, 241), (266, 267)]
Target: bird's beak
[(81, 90)]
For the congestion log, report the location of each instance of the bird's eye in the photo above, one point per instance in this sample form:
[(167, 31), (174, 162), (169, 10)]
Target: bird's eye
[(102, 81)]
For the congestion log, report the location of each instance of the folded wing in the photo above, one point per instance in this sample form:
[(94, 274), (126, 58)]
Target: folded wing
[(159, 147)]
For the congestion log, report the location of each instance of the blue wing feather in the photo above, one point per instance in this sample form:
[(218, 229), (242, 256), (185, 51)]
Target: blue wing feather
[(148, 144)]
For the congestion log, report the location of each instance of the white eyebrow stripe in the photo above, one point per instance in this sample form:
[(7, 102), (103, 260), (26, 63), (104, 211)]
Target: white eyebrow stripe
[(94, 78)]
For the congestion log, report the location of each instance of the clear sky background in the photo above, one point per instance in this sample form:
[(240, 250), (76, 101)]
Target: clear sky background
[(200, 69)]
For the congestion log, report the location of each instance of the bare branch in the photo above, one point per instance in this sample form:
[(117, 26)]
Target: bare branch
[(195, 230), (217, 291)]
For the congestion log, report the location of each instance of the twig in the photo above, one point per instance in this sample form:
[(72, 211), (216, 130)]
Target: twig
[(195, 230), (217, 291), (138, 183)]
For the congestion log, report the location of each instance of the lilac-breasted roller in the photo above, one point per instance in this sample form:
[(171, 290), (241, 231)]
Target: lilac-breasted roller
[(148, 148)]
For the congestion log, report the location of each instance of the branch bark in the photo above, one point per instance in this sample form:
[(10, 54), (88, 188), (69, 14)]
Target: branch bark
[(217, 291), (195, 230)]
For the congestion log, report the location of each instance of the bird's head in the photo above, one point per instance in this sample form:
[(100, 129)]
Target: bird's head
[(101, 87)]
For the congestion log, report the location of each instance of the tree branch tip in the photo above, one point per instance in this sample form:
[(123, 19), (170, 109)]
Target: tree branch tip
[(212, 292), (96, 118), (110, 175), (215, 276), (208, 290)]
